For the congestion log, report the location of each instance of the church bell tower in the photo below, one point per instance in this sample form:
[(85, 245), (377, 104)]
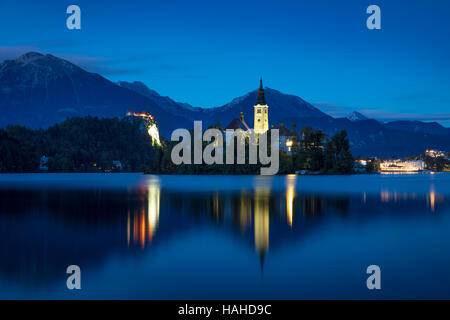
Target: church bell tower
[(261, 124)]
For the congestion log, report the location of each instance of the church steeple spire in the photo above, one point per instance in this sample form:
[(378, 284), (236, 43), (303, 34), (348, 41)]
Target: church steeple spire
[(261, 123), (261, 100)]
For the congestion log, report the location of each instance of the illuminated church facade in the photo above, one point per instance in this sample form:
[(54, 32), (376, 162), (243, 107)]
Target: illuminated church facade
[(261, 117), (261, 122)]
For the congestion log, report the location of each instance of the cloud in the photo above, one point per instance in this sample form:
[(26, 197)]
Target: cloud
[(388, 115), (333, 109), (150, 62), (412, 96), (96, 65)]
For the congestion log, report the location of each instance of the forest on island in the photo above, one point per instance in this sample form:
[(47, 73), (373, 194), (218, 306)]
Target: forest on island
[(312, 151), (90, 144), (86, 144)]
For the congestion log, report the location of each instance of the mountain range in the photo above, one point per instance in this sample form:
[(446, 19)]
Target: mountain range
[(38, 90)]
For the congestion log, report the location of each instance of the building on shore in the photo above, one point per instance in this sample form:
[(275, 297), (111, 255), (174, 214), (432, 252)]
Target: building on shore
[(402, 166), (261, 109), (287, 138), (150, 125), (435, 153), (238, 123), (261, 123)]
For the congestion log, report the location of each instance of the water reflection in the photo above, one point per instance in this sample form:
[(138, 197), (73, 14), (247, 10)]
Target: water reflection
[(261, 217), (290, 195), (245, 211), (432, 198), (143, 222), (49, 229)]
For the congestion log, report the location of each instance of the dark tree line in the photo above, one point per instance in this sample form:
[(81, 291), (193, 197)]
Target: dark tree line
[(312, 151), (85, 144), (435, 163), (91, 144)]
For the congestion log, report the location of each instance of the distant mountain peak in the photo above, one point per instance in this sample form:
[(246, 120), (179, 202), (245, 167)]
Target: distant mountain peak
[(138, 87), (167, 103), (29, 57), (38, 90), (32, 56), (356, 116)]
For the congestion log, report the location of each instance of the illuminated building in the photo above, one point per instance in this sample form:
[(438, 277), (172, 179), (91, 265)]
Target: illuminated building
[(261, 116), (261, 124), (435, 153), (362, 162), (238, 123), (287, 138), (150, 123), (402, 166)]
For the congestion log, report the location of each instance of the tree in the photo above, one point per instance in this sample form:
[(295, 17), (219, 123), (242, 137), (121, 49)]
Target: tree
[(338, 158)]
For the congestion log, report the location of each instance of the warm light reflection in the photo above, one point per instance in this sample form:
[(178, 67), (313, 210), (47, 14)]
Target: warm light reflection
[(216, 209), (154, 194), (432, 199), (128, 228), (245, 211), (145, 218), (261, 218), (290, 195)]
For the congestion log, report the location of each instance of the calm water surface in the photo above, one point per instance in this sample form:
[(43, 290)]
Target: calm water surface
[(210, 237)]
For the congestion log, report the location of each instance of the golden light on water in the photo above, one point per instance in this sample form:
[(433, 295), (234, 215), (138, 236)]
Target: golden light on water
[(261, 218), (128, 228), (142, 224), (432, 199), (142, 229), (290, 195), (216, 206), (153, 198), (245, 211)]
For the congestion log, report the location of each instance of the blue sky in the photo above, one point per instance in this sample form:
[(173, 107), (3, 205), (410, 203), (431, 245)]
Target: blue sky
[(209, 52)]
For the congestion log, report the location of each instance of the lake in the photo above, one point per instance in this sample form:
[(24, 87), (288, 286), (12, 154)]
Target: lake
[(140, 236)]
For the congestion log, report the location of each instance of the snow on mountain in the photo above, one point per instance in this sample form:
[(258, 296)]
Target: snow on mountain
[(356, 116)]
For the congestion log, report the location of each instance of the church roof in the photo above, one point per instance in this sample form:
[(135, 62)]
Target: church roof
[(261, 99), (236, 123)]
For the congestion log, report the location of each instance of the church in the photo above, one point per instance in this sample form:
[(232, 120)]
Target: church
[(261, 122)]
